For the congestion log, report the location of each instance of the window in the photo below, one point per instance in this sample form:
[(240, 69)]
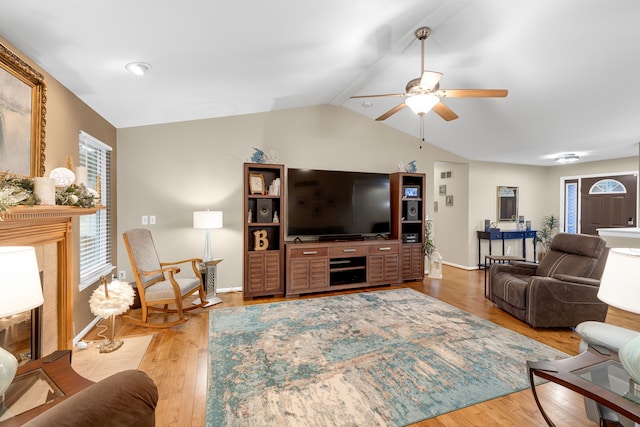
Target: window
[(607, 186), (95, 230), (571, 206)]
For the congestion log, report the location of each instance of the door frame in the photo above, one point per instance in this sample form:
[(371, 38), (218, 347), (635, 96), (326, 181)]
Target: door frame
[(564, 179)]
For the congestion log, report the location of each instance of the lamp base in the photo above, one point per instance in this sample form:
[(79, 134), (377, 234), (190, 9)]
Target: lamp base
[(633, 393), (629, 355), (110, 346), (212, 301), (8, 368)]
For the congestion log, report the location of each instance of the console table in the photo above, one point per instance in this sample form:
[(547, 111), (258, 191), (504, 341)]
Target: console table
[(506, 235), (39, 385), (596, 374)]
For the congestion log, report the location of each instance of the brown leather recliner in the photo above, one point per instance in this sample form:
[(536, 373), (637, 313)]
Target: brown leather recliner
[(561, 291)]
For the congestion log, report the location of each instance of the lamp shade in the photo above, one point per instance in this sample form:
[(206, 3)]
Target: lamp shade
[(20, 287), (421, 104), (620, 282), (207, 219)]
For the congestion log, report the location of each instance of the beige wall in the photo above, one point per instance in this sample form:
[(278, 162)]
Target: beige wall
[(66, 115), (170, 170), (173, 169)]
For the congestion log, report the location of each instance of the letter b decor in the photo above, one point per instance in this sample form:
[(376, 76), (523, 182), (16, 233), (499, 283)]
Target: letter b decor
[(260, 241)]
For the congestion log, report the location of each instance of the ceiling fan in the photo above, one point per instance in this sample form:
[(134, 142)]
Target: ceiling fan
[(423, 94)]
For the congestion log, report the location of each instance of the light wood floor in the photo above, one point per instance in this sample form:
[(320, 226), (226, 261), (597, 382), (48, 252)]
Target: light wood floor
[(177, 360)]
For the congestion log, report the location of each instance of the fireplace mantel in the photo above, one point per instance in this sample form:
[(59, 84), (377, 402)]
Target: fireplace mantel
[(44, 225), (40, 212)]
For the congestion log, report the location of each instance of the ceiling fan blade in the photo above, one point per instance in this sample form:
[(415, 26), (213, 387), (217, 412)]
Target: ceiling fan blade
[(376, 96), (444, 112), (430, 79), (391, 112), (472, 93)]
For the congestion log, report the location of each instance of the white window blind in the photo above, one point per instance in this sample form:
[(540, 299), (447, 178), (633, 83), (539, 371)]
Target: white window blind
[(95, 230)]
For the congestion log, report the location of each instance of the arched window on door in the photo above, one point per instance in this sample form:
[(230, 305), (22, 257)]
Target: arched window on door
[(608, 186)]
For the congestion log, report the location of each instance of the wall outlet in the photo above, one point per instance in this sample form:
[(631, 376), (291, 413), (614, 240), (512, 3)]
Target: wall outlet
[(152, 219), (122, 275), (145, 220)]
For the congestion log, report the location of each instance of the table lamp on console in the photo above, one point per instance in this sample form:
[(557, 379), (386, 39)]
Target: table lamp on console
[(20, 290), (620, 287)]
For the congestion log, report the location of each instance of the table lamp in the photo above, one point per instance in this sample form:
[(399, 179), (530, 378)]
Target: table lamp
[(620, 287), (20, 290), (107, 301), (207, 220)]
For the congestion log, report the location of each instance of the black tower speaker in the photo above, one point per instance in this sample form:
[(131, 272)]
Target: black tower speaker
[(264, 210), (412, 210)]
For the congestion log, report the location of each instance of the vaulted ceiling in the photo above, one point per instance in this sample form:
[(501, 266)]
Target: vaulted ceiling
[(572, 67)]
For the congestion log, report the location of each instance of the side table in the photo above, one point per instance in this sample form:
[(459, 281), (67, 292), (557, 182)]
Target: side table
[(596, 374), (209, 271), (500, 259), (38, 386)]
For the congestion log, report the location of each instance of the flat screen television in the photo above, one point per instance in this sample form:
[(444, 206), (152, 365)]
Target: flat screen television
[(336, 205)]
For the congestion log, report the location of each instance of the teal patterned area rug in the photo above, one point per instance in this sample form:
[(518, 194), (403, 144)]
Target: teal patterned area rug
[(385, 358)]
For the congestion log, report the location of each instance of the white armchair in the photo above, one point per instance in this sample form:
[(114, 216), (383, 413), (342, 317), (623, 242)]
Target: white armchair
[(604, 337)]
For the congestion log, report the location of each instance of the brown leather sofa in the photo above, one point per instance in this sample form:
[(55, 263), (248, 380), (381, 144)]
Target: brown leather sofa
[(127, 398), (561, 291)]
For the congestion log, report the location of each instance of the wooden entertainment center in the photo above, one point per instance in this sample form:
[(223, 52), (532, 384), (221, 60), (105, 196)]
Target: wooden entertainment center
[(328, 266), (273, 267)]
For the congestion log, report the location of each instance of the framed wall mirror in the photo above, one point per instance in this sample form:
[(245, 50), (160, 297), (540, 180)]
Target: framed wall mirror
[(507, 204)]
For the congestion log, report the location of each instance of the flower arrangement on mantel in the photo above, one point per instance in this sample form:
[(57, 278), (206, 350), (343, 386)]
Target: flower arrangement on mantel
[(18, 191)]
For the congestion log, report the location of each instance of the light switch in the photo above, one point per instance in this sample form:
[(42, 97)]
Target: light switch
[(152, 219), (145, 220)]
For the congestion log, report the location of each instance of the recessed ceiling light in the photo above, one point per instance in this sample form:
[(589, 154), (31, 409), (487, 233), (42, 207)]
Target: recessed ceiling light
[(567, 158), (138, 68), (367, 104)]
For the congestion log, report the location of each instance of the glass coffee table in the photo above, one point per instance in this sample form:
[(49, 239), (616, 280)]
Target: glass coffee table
[(596, 374), (38, 386)]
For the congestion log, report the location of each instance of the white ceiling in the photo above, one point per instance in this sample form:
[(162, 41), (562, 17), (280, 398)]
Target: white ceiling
[(572, 67)]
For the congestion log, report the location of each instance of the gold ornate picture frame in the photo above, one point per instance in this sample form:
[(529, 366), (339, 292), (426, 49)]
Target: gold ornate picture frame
[(256, 183), (22, 116)]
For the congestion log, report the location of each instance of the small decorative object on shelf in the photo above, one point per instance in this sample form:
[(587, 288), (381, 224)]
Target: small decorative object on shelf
[(409, 168), (249, 216), (256, 183), (260, 241), (274, 187), (259, 156), (63, 176), (45, 190), (411, 191), (276, 219), (15, 191)]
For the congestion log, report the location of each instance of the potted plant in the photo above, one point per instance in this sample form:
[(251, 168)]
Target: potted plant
[(429, 246), (547, 230)]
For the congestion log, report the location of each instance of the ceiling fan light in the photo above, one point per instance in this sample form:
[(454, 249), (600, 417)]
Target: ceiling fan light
[(567, 158), (138, 68), (430, 79), (421, 104)]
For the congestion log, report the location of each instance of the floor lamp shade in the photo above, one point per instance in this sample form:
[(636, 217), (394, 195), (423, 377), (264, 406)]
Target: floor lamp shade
[(20, 290), (620, 287), (207, 220)]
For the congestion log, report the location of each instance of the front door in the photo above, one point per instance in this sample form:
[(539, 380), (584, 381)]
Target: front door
[(608, 202)]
